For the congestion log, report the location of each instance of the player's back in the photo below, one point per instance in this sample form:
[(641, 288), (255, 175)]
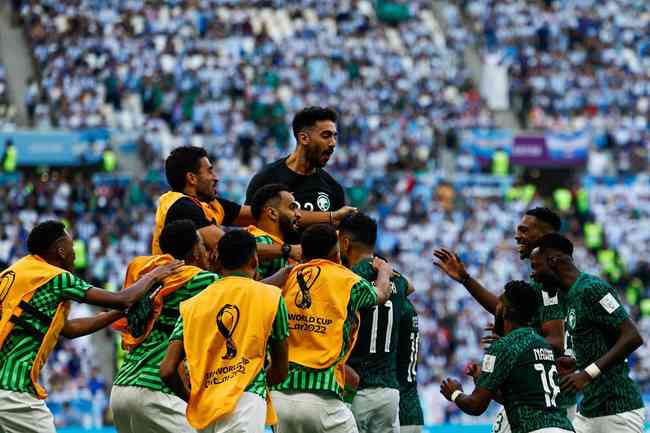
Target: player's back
[(375, 353), (522, 366)]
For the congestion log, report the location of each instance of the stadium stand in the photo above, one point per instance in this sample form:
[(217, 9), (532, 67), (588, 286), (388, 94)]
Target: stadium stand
[(407, 98)]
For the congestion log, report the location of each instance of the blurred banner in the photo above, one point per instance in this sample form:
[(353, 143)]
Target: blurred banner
[(56, 148), (552, 149)]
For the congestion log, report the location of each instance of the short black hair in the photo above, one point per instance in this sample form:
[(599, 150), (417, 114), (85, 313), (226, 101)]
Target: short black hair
[(521, 302), (42, 236), (307, 117), (556, 241), (547, 216), (182, 160), (179, 238), (236, 248), (317, 241), (360, 227), (263, 196)]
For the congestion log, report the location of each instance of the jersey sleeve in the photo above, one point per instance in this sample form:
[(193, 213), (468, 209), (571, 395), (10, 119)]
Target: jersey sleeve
[(185, 208), (177, 333), (339, 197), (363, 295), (73, 287), (497, 364), (231, 211), (264, 240), (603, 306), (281, 323)]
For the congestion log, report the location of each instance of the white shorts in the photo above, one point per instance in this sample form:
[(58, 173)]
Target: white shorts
[(249, 416), (141, 410), (21, 412), (627, 422), (301, 412), (376, 410), (502, 425)]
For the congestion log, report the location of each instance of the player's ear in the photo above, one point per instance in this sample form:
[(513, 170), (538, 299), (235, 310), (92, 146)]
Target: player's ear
[(272, 213), (190, 178), (254, 263), (303, 137)]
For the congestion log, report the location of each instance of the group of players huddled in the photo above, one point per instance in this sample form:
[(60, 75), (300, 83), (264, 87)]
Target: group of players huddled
[(293, 321)]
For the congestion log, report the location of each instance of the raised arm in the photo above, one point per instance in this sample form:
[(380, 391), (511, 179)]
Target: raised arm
[(382, 282), (451, 265), (125, 298)]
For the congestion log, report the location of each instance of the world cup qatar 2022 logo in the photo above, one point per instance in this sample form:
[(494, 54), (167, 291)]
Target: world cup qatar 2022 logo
[(227, 321), (7, 280)]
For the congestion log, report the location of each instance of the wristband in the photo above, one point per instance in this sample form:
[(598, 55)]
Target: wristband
[(465, 279), (592, 370), (455, 394)]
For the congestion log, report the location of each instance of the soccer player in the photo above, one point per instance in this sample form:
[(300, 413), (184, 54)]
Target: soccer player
[(534, 224), (374, 357), (411, 418), (193, 183), (314, 129), (602, 335), (139, 399), (224, 333), (34, 303), (323, 298), (277, 214), (519, 368)]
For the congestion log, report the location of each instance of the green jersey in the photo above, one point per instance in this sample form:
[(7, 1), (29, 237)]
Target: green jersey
[(553, 308), (374, 355), (594, 313), (267, 268), (522, 366), (141, 366), (410, 409), (305, 379), (19, 349), (280, 332)]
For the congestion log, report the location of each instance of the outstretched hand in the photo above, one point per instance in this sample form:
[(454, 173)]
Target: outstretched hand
[(450, 264)]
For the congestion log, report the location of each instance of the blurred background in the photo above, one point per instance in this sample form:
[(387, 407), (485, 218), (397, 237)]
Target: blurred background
[(455, 117)]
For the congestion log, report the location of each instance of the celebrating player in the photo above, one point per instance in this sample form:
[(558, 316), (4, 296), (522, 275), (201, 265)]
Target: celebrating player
[(374, 357), (602, 335), (314, 129), (34, 295), (411, 418), (277, 214), (223, 332), (193, 183), (549, 322), (519, 369), (139, 399), (322, 299)]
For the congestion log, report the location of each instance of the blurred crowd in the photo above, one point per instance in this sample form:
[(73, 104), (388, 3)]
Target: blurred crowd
[(7, 110), (574, 64), (111, 222), (229, 74)]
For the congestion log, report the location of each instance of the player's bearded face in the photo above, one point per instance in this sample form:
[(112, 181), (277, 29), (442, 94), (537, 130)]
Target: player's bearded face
[(288, 225), (320, 144), (206, 181)]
